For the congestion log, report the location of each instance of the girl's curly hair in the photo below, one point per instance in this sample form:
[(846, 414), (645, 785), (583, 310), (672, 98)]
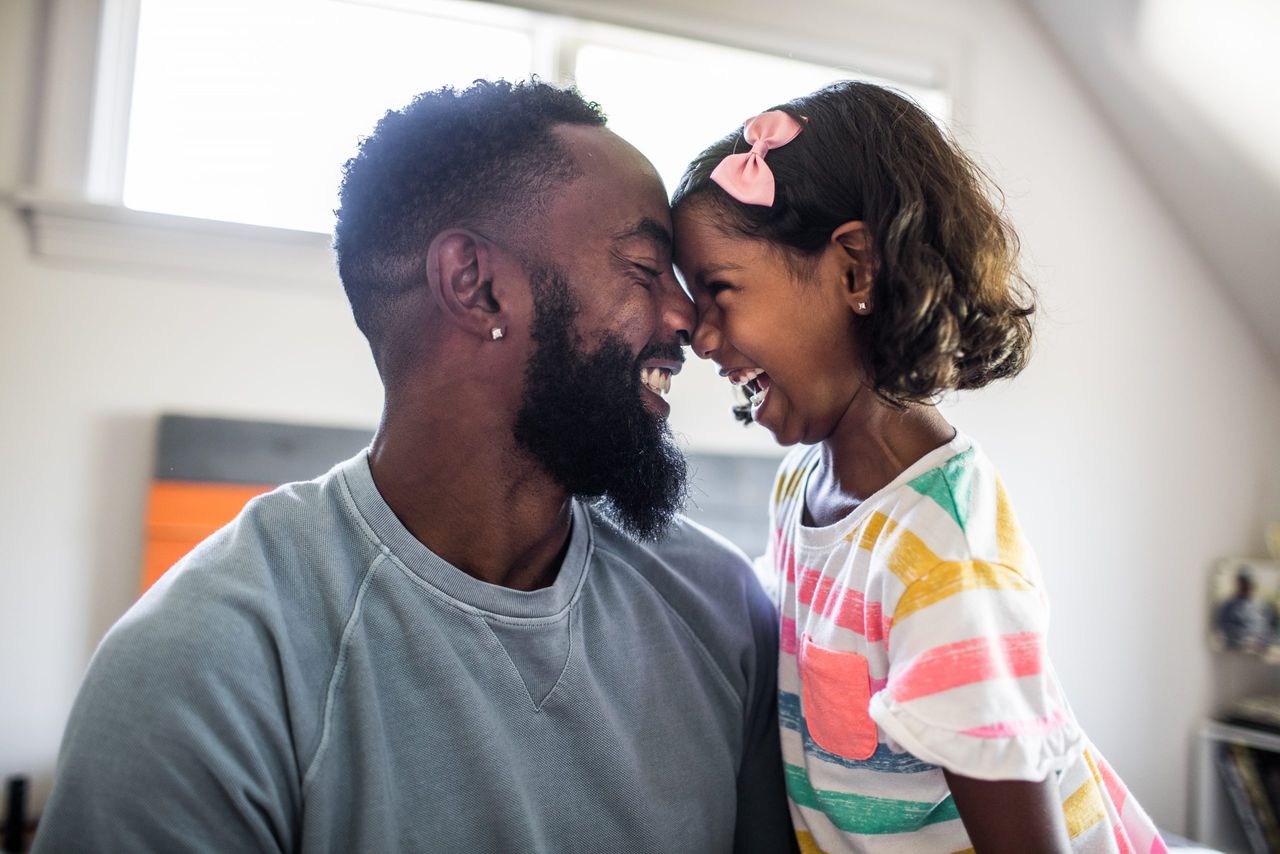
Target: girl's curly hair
[(952, 310)]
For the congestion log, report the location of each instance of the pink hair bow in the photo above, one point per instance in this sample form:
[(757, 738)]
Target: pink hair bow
[(745, 176)]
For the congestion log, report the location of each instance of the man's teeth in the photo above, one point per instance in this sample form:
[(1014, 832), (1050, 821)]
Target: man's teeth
[(657, 380), (745, 377)]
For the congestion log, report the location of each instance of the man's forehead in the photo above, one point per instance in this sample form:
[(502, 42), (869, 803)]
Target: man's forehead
[(604, 160), (588, 143), (617, 192)]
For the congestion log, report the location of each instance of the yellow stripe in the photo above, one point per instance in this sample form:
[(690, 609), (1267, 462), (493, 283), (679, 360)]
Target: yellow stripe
[(787, 484), (965, 851), (1084, 808), (953, 577), (877, 524), (1008, 537), (908, 555), (808, 845), (1093, 769)]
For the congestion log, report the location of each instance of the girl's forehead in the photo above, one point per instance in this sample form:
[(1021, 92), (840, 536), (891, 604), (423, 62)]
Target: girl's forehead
[(701, 223), (702, 232)]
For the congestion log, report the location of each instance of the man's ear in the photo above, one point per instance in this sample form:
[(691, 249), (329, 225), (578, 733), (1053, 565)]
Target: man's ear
[(860, 262), (460, 272)]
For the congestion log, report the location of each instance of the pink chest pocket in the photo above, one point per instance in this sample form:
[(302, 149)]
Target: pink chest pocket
[(836, 690)]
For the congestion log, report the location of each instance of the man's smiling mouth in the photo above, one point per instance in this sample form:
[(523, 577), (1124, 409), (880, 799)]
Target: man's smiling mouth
[(658, 364), (657, 380)]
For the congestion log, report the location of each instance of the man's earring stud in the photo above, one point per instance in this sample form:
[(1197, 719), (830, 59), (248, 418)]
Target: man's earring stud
[(495, 333), (862, 306)]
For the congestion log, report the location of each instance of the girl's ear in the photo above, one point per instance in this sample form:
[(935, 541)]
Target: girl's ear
[(858, 258), (460, 273)]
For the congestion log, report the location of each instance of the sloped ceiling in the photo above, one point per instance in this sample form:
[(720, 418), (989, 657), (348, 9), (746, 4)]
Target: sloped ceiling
[(1206, 168)]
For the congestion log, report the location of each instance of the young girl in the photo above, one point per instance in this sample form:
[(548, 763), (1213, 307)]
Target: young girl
[(848, 269)]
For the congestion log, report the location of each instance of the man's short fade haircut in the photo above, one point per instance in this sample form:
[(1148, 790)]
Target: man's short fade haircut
[(484, 157)]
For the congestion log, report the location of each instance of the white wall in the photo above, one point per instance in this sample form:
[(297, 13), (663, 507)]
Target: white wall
[(1140, 445)]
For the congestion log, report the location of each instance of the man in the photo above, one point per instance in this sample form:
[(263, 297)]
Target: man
[(438, 646)]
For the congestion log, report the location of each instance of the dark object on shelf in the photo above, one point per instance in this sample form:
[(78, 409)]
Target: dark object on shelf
[(15, 825), (1261, 712), (1248, 761), (1246, 793), (1240, 799), (1268, 765)]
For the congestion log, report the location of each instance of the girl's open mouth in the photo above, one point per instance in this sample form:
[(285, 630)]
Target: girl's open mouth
[(755, 383), (757, 388)]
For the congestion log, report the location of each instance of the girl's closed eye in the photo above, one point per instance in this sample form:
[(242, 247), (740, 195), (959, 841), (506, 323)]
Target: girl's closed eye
[(715, 289)]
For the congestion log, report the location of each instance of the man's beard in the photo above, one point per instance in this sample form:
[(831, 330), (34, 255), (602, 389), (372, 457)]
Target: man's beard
[(582, 418)]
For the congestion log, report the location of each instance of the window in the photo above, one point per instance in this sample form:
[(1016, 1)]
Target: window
[(244, 110), (673, 97)]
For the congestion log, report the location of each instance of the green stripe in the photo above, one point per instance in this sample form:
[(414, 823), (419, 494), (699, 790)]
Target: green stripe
[(865, 813), (950, 485)]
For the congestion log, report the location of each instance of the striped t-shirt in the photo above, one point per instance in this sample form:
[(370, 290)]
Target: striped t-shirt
[(913, 638)]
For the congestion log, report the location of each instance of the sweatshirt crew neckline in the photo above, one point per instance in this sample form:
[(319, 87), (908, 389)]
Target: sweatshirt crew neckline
[(463, 589)]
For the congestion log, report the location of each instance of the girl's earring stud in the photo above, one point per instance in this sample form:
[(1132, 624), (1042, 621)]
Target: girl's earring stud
[(862, 306), (495, 333)]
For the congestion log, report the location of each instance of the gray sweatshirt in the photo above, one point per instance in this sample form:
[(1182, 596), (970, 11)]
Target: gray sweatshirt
[(313, 678)]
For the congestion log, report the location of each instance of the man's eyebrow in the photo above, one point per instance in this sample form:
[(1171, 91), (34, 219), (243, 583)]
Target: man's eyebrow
[(651, 230)]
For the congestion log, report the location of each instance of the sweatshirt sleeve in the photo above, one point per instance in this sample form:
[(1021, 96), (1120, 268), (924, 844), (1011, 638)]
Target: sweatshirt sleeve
[(178, 740)]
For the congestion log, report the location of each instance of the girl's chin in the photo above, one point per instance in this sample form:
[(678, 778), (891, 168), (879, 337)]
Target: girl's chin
[(763, 417), (771, 414)]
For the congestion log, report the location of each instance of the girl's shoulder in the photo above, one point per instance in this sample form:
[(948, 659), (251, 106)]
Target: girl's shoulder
[(959, 502)]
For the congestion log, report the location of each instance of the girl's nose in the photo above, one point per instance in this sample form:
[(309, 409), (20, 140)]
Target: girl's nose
[(706, 337)]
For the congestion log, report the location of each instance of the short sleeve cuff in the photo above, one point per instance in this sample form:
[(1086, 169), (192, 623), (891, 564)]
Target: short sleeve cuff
[(1029, 756)]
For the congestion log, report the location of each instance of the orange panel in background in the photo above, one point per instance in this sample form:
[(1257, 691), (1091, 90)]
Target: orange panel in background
[(182, 513)]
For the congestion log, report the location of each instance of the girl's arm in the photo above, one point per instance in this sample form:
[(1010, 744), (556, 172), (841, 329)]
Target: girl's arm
[(1011, 816)]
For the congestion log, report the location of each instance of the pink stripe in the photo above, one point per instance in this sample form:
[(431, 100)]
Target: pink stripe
[(787, 636), (784, 557), (1115, 788), (789, 644), (1138, 827), (847, 608), (1009, 729), (1122, 841), (965, 662)]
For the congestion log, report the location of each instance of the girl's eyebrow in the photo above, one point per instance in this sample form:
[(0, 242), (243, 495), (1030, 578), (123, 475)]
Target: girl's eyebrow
[(716, 269)]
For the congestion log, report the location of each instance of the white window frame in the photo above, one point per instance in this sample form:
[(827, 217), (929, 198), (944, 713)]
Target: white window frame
[(72, 198)]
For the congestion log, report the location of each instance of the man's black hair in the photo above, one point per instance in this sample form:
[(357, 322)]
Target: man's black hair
[(483, 158)]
